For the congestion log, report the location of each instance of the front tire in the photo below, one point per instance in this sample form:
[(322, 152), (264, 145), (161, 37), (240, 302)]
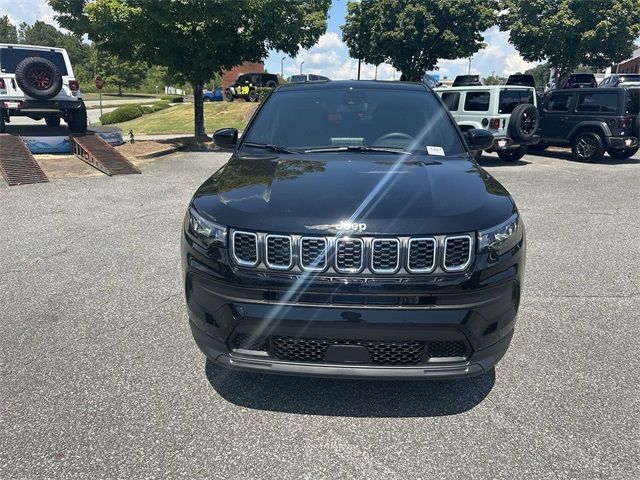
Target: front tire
[(253, 96), (587, 147), (78, 120), (512, 155), (622, 154), (228, 96), (52, 122)]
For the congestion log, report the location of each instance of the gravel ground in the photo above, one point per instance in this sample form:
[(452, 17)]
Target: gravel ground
[(100, 377)]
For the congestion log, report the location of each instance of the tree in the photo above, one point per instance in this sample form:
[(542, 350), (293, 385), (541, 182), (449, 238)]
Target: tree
[(569, 33), (540, 74), (413, 35), (494, 80), (8, 31), (196, 38), (121, 73)]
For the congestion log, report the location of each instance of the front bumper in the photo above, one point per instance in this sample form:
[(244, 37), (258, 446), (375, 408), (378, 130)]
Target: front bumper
[(474, 312)]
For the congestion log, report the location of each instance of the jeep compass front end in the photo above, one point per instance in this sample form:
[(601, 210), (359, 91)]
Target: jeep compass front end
[(351, 234)]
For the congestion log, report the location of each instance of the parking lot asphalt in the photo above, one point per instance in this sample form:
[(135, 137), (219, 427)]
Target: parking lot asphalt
[(100, 377)]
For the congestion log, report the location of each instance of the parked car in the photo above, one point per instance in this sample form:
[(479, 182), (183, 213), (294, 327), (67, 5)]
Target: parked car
[(619, 80), (38, 82), (509, 112), (580, 80), (592, 121), (467, 81), (246, 84), (430, 81), (311, 77), (351, 234), (213, 96)]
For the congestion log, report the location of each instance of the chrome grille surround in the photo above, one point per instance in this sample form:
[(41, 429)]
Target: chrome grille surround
[(380, 256), (273, 251), (465, 242), (345, 248), (353, 254), (319, 261), (242, 237), (413, 248)]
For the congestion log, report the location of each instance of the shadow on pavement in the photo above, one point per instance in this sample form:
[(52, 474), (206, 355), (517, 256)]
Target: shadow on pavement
[(350, 398), (486, 161), (567, 155)]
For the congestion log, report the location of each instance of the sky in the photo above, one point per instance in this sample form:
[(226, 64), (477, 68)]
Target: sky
[(330, 56)]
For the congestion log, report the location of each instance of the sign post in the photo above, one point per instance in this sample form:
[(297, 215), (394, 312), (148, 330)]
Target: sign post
[(99, 85)]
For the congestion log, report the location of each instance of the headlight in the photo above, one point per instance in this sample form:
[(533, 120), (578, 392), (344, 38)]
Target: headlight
[(207, 232), (502, 238)]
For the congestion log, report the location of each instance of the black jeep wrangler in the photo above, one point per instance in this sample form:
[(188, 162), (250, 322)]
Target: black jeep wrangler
[(592, 121), (246, 85)]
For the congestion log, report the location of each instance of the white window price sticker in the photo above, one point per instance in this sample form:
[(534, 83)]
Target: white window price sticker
[(435, 151)]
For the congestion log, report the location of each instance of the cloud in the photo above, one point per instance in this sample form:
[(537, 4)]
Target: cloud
[(27, 11)]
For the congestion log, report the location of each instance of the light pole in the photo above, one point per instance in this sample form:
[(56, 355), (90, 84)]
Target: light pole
[(301, 63), (469, 69), (282, 67)]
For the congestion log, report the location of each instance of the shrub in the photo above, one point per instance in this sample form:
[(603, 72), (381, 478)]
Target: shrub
[(122, 114), (173, 98), (160, 106), (263, 92)]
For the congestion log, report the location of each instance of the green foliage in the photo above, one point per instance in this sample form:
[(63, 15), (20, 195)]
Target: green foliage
[(122, 114), (569, 33), (494, 80), (540, 74), (173, 98), (8, 31), (129, 112), (413, 35), (196, 38), (119, 72), (263, 92)]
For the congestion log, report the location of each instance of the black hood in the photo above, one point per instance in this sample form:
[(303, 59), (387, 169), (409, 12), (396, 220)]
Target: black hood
[(391, 194)]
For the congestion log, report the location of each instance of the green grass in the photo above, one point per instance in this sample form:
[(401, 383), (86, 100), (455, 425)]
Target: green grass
[(179, 119)]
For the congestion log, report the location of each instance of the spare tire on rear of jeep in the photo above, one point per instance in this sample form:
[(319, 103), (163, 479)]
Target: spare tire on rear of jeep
[(523, 122), (38, 78)]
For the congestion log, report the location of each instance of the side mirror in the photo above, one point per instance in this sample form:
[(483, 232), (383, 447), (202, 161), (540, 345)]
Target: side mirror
[(226, 138), (478, 139)]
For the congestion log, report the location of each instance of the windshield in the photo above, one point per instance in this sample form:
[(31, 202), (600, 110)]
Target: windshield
[(410, 120)]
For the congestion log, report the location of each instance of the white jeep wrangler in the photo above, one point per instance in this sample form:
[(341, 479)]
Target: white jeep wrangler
[(38, 82), (508, 111)]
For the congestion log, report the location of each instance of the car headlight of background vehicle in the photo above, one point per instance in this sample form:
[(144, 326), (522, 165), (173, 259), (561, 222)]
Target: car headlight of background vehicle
[(501, 238), (207, 232)]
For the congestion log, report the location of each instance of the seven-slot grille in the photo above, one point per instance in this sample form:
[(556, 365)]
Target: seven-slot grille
[(349, 253), (245, 248), (385, 255), (416, 255), (421, 255), (457, 253), (313, 253), (279, 252)]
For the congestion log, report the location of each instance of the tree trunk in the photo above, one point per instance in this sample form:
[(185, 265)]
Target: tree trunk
[(198, 110), (119, 90)]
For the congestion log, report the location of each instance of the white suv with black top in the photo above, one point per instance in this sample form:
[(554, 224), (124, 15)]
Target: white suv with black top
[(38, 82), (508, 111)]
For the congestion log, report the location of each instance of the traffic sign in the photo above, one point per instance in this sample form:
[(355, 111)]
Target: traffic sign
[(99, 82)]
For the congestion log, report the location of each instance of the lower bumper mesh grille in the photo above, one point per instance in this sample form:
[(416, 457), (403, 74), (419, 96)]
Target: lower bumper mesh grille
[(444, 349), (298, 349)]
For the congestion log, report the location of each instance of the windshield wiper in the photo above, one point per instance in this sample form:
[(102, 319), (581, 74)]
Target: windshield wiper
[(358, 148), (268, 146)]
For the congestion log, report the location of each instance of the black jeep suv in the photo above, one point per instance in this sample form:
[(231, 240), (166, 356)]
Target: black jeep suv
[(351, 234), (592, 120), (247, 84)]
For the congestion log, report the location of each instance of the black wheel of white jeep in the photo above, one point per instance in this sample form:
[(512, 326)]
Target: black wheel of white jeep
[(77, 121), (38, 78), (523, 122), (52, 121), (3, 127), (587, 147), (622, 154), (512, 155)]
